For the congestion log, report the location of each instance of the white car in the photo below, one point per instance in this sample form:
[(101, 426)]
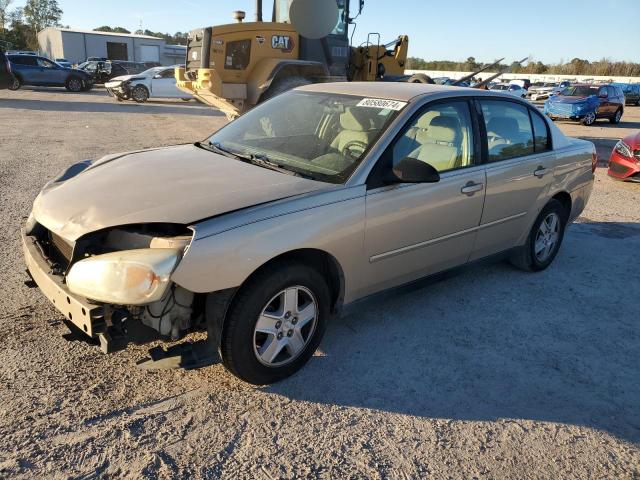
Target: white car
[(515, 90), (543, 91), (157, 82)]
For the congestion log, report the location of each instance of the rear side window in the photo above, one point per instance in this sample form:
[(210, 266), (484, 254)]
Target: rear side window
[(540, 133), (509, 132)]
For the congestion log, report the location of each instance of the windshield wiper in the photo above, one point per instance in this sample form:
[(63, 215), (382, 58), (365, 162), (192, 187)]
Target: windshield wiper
[(255, 159)]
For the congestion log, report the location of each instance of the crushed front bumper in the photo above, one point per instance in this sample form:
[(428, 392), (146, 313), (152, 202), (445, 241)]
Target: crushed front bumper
[(89, 318)]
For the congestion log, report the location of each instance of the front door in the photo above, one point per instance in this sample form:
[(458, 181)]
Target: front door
[(519, 170), (413, 230), (163, 85)]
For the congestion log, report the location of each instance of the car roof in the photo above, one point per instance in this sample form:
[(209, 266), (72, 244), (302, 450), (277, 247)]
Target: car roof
[(401, 91)]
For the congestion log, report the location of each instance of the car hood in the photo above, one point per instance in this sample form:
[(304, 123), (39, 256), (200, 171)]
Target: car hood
[(124, 78), (181, 184), (570, 100)]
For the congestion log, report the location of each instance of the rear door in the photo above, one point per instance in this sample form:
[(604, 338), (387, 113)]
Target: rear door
[(518, 170), (414, 230), (50, 73)]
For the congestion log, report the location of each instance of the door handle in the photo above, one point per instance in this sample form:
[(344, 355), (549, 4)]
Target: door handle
[(540, 171), (471, 188)]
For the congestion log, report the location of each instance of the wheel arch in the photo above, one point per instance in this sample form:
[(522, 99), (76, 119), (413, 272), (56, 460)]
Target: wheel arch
[(322, 261), (565, 200)]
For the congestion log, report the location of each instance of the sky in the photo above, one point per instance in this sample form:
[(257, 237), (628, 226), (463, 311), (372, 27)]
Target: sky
[(547, 30)]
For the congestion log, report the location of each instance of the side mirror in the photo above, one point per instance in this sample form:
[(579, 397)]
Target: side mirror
[(157, 76), (411, 170), (603, 95)]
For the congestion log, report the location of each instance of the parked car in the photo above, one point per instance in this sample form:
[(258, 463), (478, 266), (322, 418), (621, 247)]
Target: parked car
[(523, 83), (63, 62), (586, 103), (624, 163), (102, 72), (511, 89), (631, 92), (157, 82), (6, 76), (560, 87), (40, 71), (312, 200), (541, 92)]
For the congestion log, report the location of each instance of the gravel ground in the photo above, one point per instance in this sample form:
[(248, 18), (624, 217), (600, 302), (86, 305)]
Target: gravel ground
[(491, 373)]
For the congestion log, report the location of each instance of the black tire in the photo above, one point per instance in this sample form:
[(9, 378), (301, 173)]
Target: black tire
[(421, 78), (282, 85), (525, 257), (140, 94), (74, 84), (237, 341), (616, 117), (16, 84)]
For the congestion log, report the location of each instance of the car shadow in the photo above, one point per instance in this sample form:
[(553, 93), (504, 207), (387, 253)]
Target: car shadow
[(156, 108), (496, 343)]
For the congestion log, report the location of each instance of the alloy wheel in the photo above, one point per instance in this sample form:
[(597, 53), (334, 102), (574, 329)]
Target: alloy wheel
[(590, 118), (285, 326), (547, 237), (618, 116)]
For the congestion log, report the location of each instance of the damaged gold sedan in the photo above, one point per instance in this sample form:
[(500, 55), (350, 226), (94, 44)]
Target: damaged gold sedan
[(317, 198)]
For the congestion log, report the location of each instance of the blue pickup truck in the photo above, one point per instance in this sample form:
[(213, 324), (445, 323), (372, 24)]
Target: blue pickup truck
[(42, 72)]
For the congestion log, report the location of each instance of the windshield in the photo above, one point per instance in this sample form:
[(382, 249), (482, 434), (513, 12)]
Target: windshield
[(320, 135), (579, 91)]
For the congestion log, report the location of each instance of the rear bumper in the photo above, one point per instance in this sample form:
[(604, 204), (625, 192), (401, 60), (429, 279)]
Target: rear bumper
[(87, 317)]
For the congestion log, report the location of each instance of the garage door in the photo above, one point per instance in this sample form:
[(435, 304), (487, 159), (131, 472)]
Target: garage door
[(149, 53)]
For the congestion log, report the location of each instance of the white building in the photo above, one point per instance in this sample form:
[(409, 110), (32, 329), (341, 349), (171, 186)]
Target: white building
[(78, 45)]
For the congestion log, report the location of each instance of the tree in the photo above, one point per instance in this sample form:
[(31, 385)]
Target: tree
[(109, 29), (4, 10), (41, 14)]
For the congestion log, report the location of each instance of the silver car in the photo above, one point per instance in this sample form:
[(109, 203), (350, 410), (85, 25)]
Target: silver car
[(319, 197)]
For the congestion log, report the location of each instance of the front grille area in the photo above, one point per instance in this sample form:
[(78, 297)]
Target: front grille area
[(561, 109), (63, 248), (619, 169)]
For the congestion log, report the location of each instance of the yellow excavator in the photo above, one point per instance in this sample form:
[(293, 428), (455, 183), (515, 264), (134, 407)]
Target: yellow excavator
[(234, 67)]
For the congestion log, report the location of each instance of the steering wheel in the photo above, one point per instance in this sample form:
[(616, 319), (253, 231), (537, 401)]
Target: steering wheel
[(354, 149)]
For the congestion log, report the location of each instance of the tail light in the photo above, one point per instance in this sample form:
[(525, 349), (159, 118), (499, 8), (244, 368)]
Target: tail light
[(594, 160)]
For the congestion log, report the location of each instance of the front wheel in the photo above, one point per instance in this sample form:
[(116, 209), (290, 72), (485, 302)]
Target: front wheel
[(589, 119), (74, 84), (617, 117), (275, 323), (140, 94), (544, 239)]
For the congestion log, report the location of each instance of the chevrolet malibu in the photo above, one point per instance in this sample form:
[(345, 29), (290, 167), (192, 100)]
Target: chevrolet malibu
[(314, 199)]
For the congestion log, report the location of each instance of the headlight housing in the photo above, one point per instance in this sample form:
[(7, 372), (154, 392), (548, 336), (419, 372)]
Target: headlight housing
[(130, 277), (623, 149)]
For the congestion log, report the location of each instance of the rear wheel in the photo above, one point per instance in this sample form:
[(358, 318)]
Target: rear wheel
[(275, 323), (282, 85), (74, 84), (16, 84), (617, 117), (544, 239), (140, 94)]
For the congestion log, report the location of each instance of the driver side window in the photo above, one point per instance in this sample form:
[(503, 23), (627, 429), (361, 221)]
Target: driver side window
[(44, 63), (441, 135)]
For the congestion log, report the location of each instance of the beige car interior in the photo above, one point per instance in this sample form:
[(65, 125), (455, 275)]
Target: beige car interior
[(356, 132), (438, 139)]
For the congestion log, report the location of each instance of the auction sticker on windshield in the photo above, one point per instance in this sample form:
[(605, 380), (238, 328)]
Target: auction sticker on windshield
[(381, 103)]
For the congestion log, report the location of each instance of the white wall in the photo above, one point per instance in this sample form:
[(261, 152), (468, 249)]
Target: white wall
[(544, 77)]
